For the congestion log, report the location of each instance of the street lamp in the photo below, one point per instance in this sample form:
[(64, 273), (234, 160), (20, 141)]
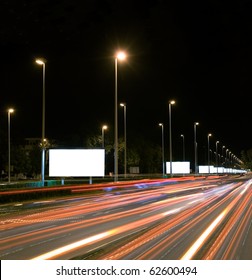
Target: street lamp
[(229, 161), (222, 154), (217, 155), (195, 147), (226, 160), (170, 132), (42, 62), (183, 143), (9, 166), (208, 152), (125, 139), (104, 127), (163, 162), (119, 56)]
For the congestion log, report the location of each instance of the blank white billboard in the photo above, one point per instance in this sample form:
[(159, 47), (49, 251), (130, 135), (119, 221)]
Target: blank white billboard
[(178, 167), (76, 162), (206, 169)]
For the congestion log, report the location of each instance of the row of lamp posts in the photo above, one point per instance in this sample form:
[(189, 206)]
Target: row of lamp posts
[(10, 111), (119, 56), (172, 102)]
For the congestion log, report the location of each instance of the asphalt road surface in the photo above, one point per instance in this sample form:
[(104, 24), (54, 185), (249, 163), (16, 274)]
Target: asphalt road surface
[(178, 218)]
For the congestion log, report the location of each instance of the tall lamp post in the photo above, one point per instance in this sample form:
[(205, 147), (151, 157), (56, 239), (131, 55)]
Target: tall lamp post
[(229, 161), (9, 165), (125, 138), (170, 135), (183, 145), (104, 127), (226, 159), (208, 152), (195, 148), (163, 162), (217, 155), (119, 56), (222, 155), (42, 62), (211, 155)]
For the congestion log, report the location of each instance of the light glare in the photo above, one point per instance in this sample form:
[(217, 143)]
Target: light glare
[(121, 55), (40, 62)]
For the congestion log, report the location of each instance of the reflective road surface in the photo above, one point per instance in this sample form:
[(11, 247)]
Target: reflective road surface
[(178, 218)]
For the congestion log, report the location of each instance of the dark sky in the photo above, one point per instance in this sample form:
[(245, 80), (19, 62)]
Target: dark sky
[(196, 52)]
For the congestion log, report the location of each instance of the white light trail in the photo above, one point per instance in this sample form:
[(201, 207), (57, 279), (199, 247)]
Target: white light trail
[(195, 247), (72, 246)]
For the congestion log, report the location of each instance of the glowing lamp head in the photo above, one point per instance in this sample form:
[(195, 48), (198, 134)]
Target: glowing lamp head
[(121, 55), (172, 102), (10, 110), (105, 127), (160, 124), (40, 61)]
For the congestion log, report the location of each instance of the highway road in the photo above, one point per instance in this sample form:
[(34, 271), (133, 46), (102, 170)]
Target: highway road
[(177, 218)]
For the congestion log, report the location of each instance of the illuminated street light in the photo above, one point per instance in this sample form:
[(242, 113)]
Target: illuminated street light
[(217, 155), (125, 138), (104, 127), (226, 159), (222, 153), (208, 152), (163, 162), (183, 145), (9, 165), (119, 56), (229, 160), (195, 148), (170, 132), (42, 62)]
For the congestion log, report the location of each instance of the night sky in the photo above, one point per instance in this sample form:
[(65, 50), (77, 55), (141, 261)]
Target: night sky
[(196, 52)]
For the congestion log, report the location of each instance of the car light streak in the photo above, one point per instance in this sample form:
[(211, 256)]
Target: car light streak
[(161, 229), (72, 246), (173, 211), (162, 220), (101, 236), (234, 231), (85, 223), (195, 247), (198, 243)]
